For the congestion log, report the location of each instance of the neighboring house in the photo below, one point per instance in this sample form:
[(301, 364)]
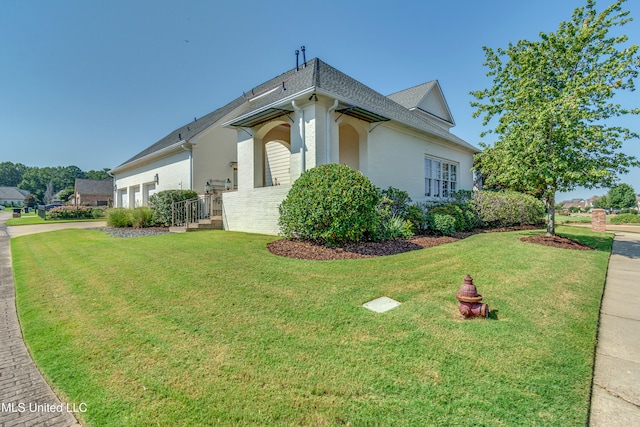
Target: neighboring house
[(574, 203), (12, 196), (590, 201), (579, 203), (92, 192), (261, 142)]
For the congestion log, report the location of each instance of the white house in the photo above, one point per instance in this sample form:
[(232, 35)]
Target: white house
[(260, 143)]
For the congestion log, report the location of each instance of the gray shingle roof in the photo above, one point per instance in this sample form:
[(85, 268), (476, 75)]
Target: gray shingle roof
[(410, 98), (12, 193), (94, 186), (316, 75), (189, 130), (326, 79)]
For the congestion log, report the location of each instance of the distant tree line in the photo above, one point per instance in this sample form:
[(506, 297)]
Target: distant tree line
[(47, 182)]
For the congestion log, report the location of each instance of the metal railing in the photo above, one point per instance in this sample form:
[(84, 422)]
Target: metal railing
[(192, 211)]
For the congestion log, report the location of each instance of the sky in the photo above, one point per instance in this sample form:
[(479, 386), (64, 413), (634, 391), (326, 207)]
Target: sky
[(91, 83)]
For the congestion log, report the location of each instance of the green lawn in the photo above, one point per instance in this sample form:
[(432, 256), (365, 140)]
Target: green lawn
[(33, 218), (209, 328), (561, 219)]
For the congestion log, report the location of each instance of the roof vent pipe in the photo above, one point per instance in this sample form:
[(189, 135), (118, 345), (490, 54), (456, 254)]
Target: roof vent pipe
[(297, 54), (304, 57)]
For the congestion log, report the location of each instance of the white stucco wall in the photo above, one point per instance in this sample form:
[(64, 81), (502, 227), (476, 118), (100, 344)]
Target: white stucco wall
[(174, 172), (396, 158), (253, 210), (213, 154)]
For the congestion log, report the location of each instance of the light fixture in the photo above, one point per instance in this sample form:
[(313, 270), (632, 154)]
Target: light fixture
[(156, 179), (207, 187), (227, 184)]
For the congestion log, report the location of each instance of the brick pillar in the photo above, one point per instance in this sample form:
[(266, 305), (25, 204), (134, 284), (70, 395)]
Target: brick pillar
[(599, 220)]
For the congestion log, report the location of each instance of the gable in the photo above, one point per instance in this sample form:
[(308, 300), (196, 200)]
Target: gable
[(426, 99), (434, 103)]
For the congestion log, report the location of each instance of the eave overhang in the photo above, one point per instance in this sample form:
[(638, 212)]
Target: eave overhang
[(260, 116), (361, 113)]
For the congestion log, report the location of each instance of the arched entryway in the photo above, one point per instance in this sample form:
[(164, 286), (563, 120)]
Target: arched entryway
[(277, 159), (349, 152), (274, 163)]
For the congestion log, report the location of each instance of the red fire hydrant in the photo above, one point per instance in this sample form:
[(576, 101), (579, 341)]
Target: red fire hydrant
[(469, 300)]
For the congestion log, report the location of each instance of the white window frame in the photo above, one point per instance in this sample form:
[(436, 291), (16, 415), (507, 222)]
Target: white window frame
[(440, 177)]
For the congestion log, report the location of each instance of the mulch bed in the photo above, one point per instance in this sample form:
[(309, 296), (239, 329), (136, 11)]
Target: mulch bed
[(557, 242), (300, 249)]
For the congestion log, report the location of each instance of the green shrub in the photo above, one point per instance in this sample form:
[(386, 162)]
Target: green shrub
[(142, 217), (506, 208), (70, 212), (417, 217), (628, 211), (391, 226), (160, 203), (464, 215), (441, 223), (330, 203), (397, 200), (627, 218), (399, 204), (119, 217), (97, 213)]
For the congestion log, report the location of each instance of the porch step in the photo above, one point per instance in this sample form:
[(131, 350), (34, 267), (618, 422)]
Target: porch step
[(214, 223)]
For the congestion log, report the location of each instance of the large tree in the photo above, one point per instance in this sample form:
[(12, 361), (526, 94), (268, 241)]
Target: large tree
[(553, 101), (622, 196), (10, 174)]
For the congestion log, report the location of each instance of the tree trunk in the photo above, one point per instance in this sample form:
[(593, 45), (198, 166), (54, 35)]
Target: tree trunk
[(550, 201)]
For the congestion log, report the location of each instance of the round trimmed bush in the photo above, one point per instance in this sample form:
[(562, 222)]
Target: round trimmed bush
[(332, 204)]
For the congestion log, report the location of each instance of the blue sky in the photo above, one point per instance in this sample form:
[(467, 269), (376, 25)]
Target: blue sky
[(92, 83)]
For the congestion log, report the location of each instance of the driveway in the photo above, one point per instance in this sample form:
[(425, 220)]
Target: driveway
[(23, 230)]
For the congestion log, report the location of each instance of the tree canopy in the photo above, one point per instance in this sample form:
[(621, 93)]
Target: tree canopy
[(38, 180), (553, 101), (622, 196)]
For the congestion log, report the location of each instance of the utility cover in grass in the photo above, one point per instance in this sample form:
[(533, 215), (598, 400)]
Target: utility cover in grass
[(382, 304)]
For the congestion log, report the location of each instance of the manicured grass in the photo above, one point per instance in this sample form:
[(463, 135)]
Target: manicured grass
[(560, 219), (209, 328), (33, 218)]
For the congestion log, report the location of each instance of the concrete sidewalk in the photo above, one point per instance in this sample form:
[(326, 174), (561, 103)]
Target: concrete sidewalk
[(23, 230), (25, 397), (615, 399)]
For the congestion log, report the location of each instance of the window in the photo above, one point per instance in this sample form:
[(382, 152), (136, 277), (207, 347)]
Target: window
[(440, 177)]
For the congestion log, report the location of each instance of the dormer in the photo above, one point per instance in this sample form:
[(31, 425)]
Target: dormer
[(428, 101)]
